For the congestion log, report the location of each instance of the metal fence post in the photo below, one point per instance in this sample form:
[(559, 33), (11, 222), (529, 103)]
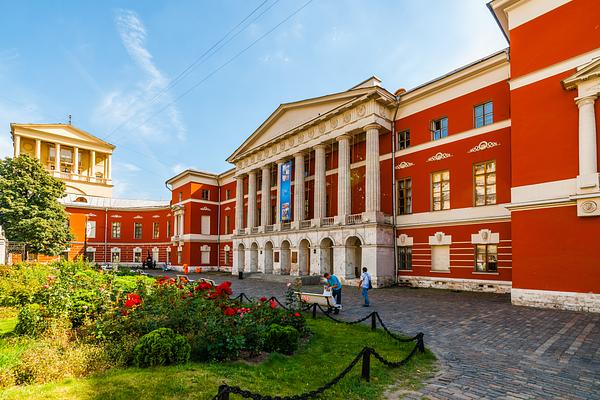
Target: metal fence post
[(374, 320), (366, 364), (314, 310), (223, 393), (421, 343)]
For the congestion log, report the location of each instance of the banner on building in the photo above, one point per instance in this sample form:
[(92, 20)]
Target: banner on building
[(286, 187)]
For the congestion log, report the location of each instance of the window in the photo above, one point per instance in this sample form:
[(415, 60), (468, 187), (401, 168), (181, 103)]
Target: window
[(205, 224), (227, 230), (137, 255), (90, 254), (137, 230), (306, 166), (205, 194), (116, 230), (274, 176), (168, 251), (439, 128), (168, 228), (180, 196), (226, 257), (405, 257), (178, 256), (404, 196), (440, 258), (484, 175), (227, 194), (486, 258), (155, 230), (484, 114), (205, 254), (403, 140), (90, 229), (115, 255), (440, 190)]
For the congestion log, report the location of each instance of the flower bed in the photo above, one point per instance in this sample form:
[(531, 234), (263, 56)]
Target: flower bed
[(77, 311)]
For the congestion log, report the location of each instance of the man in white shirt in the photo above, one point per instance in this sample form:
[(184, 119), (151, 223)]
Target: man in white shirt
[(365, 285)]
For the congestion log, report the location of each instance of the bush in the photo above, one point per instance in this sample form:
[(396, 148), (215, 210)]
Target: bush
[(161, 347), (31, 321), (282, 339)]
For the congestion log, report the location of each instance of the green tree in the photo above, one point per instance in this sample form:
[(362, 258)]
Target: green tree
[(29, 207)]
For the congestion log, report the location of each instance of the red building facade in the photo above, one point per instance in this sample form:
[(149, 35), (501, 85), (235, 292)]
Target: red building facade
[(484, 179)]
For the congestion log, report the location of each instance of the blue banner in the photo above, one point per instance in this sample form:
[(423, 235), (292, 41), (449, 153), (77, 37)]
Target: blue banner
[(285, 184)]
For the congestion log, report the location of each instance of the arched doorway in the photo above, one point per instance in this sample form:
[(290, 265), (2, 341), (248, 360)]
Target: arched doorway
[(286, 262), (304, 257), (241, 257), (353, 257), (253, 257), (268, 258), (326, 259)]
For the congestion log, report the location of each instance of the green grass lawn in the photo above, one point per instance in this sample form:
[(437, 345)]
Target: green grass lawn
[(331, 347)]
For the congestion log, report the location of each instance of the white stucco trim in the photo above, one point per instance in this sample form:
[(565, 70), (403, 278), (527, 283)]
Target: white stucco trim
[(528, 10), (543, 193), (554, 69), (440, 239), (485, 236), (454, 216)]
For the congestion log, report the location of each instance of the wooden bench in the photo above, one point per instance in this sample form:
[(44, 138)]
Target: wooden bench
[(184, 279), (320, 299)]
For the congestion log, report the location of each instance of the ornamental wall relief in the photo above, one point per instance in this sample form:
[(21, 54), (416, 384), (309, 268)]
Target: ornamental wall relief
[(439, 156), (404, 164), (484, 145)]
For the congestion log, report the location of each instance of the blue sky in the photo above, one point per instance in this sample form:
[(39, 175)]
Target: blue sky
[(111, 65)]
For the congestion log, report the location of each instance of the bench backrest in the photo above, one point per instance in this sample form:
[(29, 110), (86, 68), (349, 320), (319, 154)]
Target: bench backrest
[(312, 298)]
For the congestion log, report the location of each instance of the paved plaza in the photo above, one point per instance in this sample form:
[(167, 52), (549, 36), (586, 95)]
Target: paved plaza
[(486, 347)]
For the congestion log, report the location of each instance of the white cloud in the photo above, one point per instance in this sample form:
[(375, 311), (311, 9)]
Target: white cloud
[(128, 167), (132, 110)]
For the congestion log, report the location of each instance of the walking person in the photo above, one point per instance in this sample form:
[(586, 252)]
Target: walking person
[(365, 285), (336, 289)]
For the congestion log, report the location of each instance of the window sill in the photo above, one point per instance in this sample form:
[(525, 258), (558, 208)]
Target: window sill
[(484, 273), (439, 272)]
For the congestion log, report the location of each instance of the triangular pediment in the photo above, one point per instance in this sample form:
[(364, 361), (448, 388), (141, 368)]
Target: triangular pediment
[(65, 131), (585, 72), (289, 116)]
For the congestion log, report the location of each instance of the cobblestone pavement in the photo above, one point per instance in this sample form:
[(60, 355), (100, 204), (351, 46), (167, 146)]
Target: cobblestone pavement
[(487, 348)]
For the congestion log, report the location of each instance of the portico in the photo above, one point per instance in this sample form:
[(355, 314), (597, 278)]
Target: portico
[(310, 235)]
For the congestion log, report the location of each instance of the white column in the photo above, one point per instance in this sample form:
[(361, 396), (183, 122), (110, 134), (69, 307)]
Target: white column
[(108, 166), (320, 199), (75, 160), (298, 187), (278, 205), (17, 145), (372, 178), (38, 149), (251, 199), (93, 163), (265, 199), (57, 157), (588, 158), (344, 189), (239, 203)]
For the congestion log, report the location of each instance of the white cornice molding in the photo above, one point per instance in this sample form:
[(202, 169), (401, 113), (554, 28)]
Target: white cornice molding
[(454, 216)]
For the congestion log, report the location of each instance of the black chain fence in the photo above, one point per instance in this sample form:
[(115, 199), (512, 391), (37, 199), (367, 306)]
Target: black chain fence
[(364, 355)]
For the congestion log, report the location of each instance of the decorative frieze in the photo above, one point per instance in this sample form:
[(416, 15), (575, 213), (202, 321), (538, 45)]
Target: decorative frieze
[(439, 156), (404, 164), (483, 145)]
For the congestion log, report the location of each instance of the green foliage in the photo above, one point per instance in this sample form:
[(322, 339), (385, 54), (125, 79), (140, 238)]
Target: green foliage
[(282, 339), (161, 347), (29, 207), (21, 283), (31, 321)]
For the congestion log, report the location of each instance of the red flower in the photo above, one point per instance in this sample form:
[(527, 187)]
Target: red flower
[(224, 288), (297, 315), (203, 286), (263, 299), (229, 311), (133, 299), (273, 303)]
